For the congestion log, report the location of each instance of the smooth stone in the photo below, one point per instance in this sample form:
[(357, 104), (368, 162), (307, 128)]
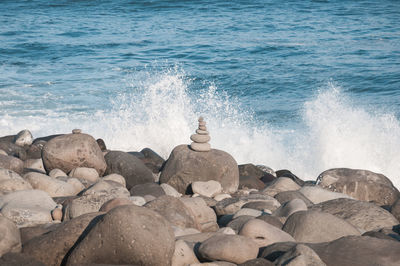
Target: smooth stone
[(137, 200), (279, 185), (152, 160), (70, 151), (231, 248), (34, 164), (178, 231), (200, 146), (226, 231), (251, 182), (54, 187), (232, 205), (56, 173), (142, 190), (316, 227), (204, 216), (286, 196), (183, 254), (11, 163), (257, 262), (222, 196), (10, 238), (248, 212), (263, 233), (200, 138), (2, 152), (116, 178), (204, 128), (300, 255), (10, 181), (288, 174), (395, 209), (317, 194), (102, 144), (272, 220), (12, 149), (17, 259), (202, 132), (86, 174), (170, 190), (360, 184), (208, 188), (260, 205), (113, 203), (78, 186), (57, 214), (27, 207), (290, 207), (127, 235), (179, 170), (237, 223), (364, 215), (23, 138)]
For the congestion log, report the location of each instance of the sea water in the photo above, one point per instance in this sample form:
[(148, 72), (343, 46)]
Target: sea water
[(300, 85)]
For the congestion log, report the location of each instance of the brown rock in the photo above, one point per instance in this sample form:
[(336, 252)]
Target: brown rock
[(11, 163), (10, 238)]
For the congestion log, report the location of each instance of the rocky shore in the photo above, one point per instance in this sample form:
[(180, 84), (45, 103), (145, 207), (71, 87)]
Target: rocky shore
[(68, 200)]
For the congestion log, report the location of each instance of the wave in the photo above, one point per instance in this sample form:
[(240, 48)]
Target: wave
[(160, 111)]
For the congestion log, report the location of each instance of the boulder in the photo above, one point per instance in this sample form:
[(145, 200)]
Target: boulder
[(10, 181), (288, 174), (360, 184), (272, 220), (11, 163), (359, 251), (237, 223), (13, 150), (250, 170), (34, 165), (23, 138), (395, 209), (257, 262), (56, 173), (364, 215), (17, 259), (116, 178), (247, 212), (232, 205), (152, 160), (174, 211), (290, 207), (286, 196), (279, 185), (52, 247), (10, 238), (203, 215), (142, 190), (34, 151), (27, 207), (54, 187), (317, 194), (259, 205), (70, 151), (250, 182), (112, 203), (130, 167), (263, 233), (183, 254), (185, 166), (207, 189), (170, 191), (85, 174), (231, 248), (127, 235), (300, 255), (316, 227)]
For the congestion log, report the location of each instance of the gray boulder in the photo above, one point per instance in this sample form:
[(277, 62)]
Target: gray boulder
[(11, 163), (10, 238), (300, 255)]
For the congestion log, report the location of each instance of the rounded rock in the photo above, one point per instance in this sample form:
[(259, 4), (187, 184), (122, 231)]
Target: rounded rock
[(200, 138), (200, 146), (207, 189), (10, 238), (23, 138)]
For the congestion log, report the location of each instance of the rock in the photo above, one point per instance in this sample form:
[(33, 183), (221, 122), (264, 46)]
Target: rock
[(56, 173), (183, 254), (316, 227), (200, 141), (23, 138), (2, 152), (359, 251), (116, 178), (226, 231), (185, 166), (78, 186), (247, 212), (34, 164), (290, 207), (34, 151), (260, 205), (250, 182), (13, 150), (178, 231), (317, 194), (300, 255), (266, 169), (70, 151), (127, 235), (28, 233), (10, 181), (10, 240), (360, 184), (395, 209), (54, 187), (364, 215), (11, 163), (112, 203), (274, 251), (279, 185), (131, 168), (286, 196), (288, 174), (232, 205), (237, 223), (27, 207), (85, 174), (196, 238), (52, 247), (17, 259), (57, 214), (231, 248), (170, 191), (381, 235), (263, 233), (204, 216), (272, 220), (152, 160), (174, 211), (250, 170), (207, 189), (137, 200), (257, 262), (153, 189), (222, 196), (102, 144)]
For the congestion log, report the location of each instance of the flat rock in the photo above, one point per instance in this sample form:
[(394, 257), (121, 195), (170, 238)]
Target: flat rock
[(130, 167), (279, 185), (316, 227), (34, 164), (247, 212), (232, 205), (70, 151), (185, 166), (364, 215), (360, 184), (202, 147), (231, 248), (10, 240), (204, 216), (207, 188), (200, 138), (127, 235), (263, 233)]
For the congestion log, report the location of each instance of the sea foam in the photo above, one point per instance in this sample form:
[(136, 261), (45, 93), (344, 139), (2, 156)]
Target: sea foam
[(160, 111)]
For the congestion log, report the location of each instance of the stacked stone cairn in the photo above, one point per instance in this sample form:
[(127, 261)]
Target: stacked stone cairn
[(201, 138)]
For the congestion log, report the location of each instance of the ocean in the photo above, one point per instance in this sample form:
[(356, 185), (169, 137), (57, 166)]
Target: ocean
[(298, 85)]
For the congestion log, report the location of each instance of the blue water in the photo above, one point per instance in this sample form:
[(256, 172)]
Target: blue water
[(304, 85)]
